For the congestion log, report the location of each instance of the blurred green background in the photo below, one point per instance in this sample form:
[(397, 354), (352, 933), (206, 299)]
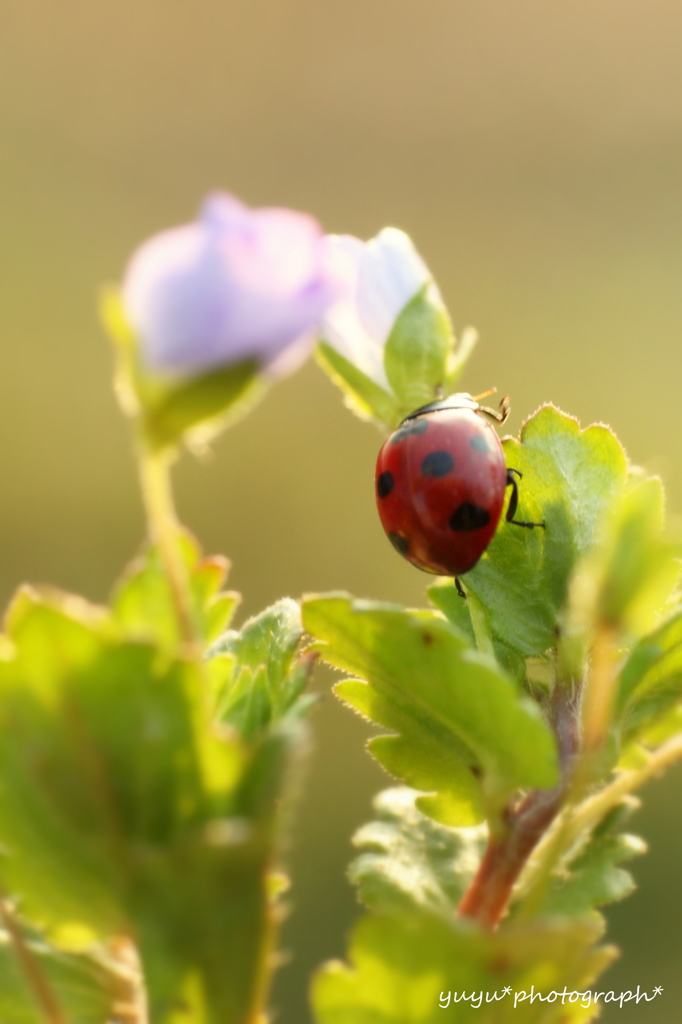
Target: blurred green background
[(533, 150)]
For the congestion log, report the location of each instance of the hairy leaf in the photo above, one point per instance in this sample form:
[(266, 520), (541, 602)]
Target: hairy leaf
[(409, 860), (265, 680), (79, 984), (142, 602), (453, 712), (416, 969), (570, 478), (122, 807), (591, 877), (100, 749)]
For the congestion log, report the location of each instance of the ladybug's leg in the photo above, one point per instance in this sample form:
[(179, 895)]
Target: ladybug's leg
[(460, 588), (514, 501), (499, 417)]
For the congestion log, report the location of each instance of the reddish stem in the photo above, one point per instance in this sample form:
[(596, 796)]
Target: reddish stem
[(490, 890)]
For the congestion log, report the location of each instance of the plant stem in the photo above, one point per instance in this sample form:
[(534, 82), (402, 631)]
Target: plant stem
[(600, 690), (490, 890), (479, 621), (596, 714), (591, 811), (164, 531), (580, 819), (31, 966)]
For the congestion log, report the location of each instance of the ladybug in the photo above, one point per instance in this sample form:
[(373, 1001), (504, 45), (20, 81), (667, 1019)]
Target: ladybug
[(441, 478)]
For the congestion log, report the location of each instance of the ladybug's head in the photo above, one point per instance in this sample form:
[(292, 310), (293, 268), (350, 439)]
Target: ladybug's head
[(461, 400)]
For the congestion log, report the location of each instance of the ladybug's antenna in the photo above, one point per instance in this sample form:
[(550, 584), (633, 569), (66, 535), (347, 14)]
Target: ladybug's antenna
[(484, 394)]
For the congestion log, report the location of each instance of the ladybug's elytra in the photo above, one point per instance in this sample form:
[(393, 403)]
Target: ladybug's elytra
[(440, 484)]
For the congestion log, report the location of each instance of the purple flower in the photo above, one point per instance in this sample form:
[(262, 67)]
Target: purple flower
[(236, 284)]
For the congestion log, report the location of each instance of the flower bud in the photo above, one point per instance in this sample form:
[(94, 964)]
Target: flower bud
[(235, 285), (384, 275), (388, 342)]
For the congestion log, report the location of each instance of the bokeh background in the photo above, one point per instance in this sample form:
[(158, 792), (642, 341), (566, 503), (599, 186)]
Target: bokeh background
[(532, 148)]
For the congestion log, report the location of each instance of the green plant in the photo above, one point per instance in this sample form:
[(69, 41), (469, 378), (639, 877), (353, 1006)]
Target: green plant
[(148, 750)]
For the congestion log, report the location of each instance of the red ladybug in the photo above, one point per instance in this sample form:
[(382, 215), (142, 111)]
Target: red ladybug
[(440, 483)]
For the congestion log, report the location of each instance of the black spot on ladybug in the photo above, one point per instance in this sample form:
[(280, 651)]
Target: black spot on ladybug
[(479, 444), (437, 464), (469, 517), (409, 430), (385, 484), (419, 426), (401, 544)]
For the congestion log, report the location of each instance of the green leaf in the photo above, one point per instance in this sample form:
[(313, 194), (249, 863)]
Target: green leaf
[(443, 594), (101, 748), (655, 662), (425, 360), (654, 718), (80, 985), (366, 399), (204, 911), (594, 877), (122, 809), (406, 970), (445, 597), (266, 680), (570, 479), (409, 861), (623, 585), (418, 348), (171, 407), (591, 876), (453, 712), (460, 357), (202, 406), (142, 602), (655, 723), (640, 567), (650, 685)]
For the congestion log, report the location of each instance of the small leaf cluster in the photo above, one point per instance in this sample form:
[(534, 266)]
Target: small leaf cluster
[(142, 795)]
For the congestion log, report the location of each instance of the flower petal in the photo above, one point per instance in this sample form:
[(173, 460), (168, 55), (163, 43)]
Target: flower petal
[(237, 284), (382, 276), (392, 273)]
